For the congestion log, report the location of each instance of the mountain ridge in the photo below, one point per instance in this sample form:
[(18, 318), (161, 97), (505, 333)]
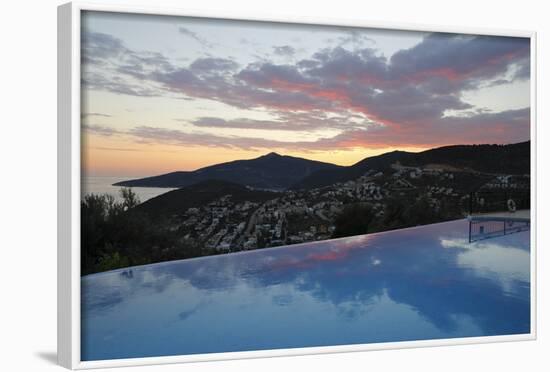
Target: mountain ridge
[(271, 171), (196, 195), (489, 158), (277, 172)]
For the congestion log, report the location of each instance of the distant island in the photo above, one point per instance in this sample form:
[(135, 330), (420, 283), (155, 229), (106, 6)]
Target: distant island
[(278, 200)]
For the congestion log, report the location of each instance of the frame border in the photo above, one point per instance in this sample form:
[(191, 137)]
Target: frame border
[(69, 178)]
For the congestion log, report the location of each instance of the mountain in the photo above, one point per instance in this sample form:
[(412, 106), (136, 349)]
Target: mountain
[(270, 172), (509, 159), (198, 195), (277, 172), (498, 159), (330, 176)]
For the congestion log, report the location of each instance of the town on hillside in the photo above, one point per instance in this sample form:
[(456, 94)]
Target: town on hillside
[(299, 216)]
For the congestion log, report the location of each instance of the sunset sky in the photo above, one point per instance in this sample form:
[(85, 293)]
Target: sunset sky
[(161, 93)]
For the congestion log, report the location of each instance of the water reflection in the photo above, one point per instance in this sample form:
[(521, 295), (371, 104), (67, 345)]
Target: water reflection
[(411, 284)]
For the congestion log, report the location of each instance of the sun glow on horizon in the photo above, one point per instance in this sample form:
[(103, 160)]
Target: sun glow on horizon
[(108, 157)]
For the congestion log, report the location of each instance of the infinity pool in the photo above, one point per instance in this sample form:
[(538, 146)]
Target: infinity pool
[(412, 284)]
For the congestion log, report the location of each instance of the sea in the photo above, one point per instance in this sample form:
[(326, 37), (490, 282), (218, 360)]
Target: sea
[(104, 185)]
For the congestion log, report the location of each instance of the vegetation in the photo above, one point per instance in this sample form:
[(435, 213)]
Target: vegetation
[(401, 213), (504, 159), (178, 201), (354, 220), (398, 213), (116, 235)]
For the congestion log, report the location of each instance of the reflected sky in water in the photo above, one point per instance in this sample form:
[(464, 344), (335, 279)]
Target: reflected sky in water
[(413, 284)]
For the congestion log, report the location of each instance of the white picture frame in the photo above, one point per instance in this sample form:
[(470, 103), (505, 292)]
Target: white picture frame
[(69, 178)]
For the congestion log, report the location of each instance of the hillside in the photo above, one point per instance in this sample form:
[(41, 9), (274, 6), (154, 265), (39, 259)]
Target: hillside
[(270, 172), (197, 195), (277, 172), (508, 159), (498, 159), (330, 176)]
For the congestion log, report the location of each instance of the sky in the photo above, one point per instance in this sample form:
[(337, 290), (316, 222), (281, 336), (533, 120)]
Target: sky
[(162, 93)]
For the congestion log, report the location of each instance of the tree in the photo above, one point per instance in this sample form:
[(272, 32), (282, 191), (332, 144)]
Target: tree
[(421, 212), (95, 211), (355, 219), (111, 261), (130, 199)]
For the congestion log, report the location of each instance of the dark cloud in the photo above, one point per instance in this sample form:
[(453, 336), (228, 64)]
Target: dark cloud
[(266, 75), (194, 36), (339, 64), (97, 47), (461, 60), (409, 103), (213, 65), (307, 64), (404, 98), (212, 122), (115, 84), (504, 127), (110, 66), (523, 71)]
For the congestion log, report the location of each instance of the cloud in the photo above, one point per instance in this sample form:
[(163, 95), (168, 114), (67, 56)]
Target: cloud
[(100, 130), (193, 35), (461, 61), (121, 149), (370, 100), (147, 134), (355, 37), (269, 75), (339, 64), (115, 84), (108, 65), (94, 114), (523, 69), (290, 121), (154, 135), (505, 127), (188, 32), (97, 47), (284, 50), (246, 123), (213, 65)]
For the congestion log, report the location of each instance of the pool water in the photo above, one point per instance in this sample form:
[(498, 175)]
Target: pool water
[(413, 284)]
